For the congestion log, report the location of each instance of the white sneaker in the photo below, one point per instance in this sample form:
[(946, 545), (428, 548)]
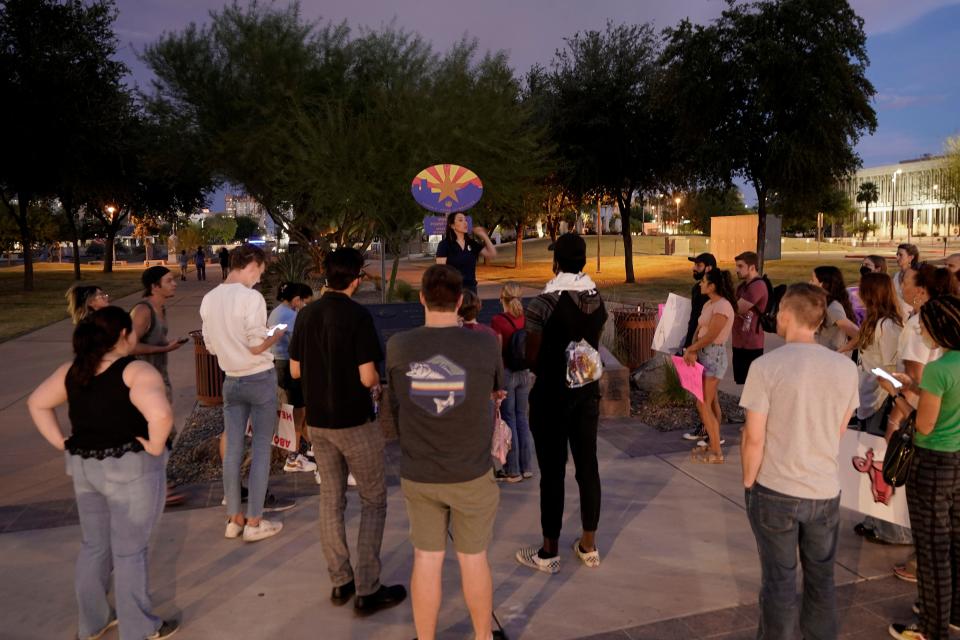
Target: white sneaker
[(265, 529), (703, 443), (590, 558), (233, 530), (528, 557), (300, 463), (351, 481)]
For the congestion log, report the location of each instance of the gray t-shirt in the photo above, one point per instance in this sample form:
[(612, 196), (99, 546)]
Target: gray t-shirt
[(830, 334), (441, 380), (805, 390)]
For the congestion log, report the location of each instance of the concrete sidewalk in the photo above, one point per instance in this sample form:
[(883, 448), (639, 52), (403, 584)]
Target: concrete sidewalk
[(679, 559), (30, 469)]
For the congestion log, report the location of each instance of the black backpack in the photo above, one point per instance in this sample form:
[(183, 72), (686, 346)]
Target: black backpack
[(768, 319), (515, 351)]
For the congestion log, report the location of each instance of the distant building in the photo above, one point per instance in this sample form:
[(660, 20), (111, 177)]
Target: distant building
[(244, 205), (915, 199)]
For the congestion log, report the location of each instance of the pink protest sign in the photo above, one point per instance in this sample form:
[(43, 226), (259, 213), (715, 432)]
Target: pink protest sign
[(691, 378)]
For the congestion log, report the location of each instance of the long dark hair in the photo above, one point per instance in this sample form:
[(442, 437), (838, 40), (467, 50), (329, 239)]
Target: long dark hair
[(451, 236), (723, 283), (913, 251), (880, 301), (936, 281), (831, 279), (941, 318), (94, 338)]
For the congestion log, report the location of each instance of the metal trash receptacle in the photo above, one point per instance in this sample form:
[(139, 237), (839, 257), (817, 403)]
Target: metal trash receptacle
[(635, 329), (209, 375)]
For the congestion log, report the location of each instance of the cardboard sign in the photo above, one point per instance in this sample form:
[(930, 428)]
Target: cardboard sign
[(862, 487), (690, 377), (285, 435), (672, 326)]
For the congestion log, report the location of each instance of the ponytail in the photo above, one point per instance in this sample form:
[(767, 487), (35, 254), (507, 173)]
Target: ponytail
[(95, 337), (287, 291), (77, 297)]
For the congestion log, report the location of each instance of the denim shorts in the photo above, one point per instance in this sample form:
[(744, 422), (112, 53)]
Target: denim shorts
[(713, 357)]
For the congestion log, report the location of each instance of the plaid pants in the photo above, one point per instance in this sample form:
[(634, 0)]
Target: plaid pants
[(358, 450), (933, 496)]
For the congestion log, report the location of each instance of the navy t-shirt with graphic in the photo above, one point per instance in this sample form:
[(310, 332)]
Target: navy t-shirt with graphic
[(441, 380), (463, 260)]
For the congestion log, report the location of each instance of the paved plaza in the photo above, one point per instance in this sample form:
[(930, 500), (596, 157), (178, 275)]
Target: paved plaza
[(679, 560)]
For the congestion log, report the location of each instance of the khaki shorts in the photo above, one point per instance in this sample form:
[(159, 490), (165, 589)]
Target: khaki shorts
[(467, 509)]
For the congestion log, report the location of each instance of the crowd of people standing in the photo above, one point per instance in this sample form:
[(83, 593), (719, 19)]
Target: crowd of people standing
[(449, 378)]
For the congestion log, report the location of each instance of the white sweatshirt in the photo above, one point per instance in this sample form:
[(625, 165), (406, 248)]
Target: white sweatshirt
[(235, 319)]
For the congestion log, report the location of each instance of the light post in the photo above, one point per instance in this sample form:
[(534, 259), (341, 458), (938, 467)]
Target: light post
[(893, 200), (112, 210), (676, 224), (936, 198)]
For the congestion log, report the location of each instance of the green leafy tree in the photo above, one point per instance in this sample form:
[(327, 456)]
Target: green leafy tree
[(247, 227), (950, 190), (706, 203), (868, 194), (59, 81), (220, 229), (775, 92), (606, 119)]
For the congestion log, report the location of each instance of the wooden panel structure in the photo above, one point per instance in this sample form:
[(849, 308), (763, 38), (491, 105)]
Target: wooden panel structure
[(732, 235)]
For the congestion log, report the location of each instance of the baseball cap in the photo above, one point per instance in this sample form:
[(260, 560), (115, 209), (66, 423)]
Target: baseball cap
[(705, 259)]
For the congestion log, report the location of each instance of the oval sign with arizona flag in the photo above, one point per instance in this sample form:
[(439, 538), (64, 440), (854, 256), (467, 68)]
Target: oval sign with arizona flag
[(446, 188)]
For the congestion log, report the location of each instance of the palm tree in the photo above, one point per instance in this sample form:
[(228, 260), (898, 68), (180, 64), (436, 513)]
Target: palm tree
[(868, 194)]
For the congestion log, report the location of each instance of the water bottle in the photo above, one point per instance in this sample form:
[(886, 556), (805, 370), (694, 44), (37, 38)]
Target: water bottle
[(747, 321)]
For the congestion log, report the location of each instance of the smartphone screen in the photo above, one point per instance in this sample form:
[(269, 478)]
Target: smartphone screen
[(886, 376), (278, 327)]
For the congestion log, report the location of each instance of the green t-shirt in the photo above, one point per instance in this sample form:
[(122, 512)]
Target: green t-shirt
[(942, 378)]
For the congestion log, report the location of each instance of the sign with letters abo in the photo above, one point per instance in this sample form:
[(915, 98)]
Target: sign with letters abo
[(285, 435), (862, 487)]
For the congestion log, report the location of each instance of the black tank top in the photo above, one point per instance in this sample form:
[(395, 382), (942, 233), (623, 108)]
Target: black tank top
[(105, 423)]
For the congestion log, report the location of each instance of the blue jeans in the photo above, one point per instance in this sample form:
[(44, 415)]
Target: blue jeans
[(783, 524), (119, 501), (515, 410), (252, 397)]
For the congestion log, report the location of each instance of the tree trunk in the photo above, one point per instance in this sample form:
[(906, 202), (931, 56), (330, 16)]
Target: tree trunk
[(866, 212), (148, 248), (518, 256), (393, 275), (761, 226), (108, 249), (624, 203), (23, 204)]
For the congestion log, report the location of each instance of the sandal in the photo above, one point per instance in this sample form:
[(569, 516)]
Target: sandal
[(704, 456)]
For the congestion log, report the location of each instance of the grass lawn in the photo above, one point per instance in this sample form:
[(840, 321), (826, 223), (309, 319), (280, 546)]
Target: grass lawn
[(656, 275), (22, 312)]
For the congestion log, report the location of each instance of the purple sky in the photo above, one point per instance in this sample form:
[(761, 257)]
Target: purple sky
[(914, 46)]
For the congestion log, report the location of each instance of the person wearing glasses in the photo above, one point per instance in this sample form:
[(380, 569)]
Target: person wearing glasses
[(82, 300)]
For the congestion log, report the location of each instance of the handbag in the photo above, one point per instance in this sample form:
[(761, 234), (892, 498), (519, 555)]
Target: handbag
[(896, 461), (502, 438)]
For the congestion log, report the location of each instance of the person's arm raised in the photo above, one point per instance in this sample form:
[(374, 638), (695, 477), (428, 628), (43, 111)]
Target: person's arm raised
[(42, 403), (149, 396)]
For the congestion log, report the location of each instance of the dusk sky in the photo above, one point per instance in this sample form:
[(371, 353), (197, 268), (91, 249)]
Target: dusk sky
[(914, 46)]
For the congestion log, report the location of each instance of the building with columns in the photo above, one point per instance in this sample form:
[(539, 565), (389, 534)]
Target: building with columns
[(912, 191)]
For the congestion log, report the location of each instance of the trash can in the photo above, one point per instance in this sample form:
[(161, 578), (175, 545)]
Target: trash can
[(635, 329), (209, 374)]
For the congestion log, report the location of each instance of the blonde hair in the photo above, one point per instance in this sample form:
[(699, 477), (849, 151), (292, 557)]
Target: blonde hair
[(510, 299)]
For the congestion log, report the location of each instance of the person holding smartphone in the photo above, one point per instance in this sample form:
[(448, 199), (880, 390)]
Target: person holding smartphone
[(117, 456)]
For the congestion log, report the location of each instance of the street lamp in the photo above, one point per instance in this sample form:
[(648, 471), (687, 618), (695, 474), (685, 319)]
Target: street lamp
[(676, 228), (893, 199), (112, 210)]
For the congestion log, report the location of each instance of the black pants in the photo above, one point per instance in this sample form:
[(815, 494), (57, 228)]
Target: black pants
[(556, 421), (933, 496), (742, 359)]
